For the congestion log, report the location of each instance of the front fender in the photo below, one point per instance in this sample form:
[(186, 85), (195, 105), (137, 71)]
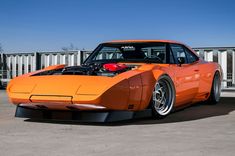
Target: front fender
[(149, 79)]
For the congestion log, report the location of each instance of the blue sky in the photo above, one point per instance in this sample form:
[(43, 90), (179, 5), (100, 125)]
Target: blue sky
[(36, 25)]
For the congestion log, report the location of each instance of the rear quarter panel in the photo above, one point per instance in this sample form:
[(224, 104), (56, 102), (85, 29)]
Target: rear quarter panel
[(207, 72)]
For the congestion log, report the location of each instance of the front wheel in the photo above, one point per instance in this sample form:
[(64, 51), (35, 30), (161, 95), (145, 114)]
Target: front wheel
[(163, 97)]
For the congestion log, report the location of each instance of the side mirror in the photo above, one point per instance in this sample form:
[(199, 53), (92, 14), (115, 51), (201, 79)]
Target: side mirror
[(181, 60)]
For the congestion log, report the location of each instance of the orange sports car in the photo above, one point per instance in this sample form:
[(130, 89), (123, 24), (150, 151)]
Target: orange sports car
[(120, 76)]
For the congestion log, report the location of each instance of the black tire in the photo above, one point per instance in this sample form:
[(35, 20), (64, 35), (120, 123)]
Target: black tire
[(163, 98), (215, 90)]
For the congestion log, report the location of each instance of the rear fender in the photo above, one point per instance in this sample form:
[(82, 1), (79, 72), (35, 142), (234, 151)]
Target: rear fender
[(207, 72)]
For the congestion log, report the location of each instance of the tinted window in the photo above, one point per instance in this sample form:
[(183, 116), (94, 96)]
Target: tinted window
[(190, 57), (171, 60), (132, 52), (108, 53), (178, 51), (155, 52)]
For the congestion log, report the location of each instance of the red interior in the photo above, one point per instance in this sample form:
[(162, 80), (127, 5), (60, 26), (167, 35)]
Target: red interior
[(114, 67)]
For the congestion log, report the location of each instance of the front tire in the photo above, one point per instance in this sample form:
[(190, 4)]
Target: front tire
[(163, 97), (215, 90)]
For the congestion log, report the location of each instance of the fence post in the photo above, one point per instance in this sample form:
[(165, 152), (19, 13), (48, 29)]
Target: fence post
[(37, 62), (79, 57), (233, 66), (222, 56)]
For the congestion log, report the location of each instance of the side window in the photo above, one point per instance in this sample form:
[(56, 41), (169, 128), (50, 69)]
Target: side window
[(171, 60), (191, 57), (178, 51)]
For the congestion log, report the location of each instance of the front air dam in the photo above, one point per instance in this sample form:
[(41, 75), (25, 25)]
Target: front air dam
[(80, 116)]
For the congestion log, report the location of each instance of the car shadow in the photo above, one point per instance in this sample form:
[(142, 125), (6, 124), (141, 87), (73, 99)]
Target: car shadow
[(195, 112)]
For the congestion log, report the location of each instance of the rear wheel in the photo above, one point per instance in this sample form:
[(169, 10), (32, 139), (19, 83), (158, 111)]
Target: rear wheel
[(215, 90), (163, 97)]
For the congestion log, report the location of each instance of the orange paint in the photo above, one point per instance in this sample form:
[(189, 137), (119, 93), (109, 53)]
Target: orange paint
[(129, 90)]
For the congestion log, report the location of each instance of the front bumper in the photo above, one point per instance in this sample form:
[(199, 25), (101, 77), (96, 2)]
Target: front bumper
[(80, 116)]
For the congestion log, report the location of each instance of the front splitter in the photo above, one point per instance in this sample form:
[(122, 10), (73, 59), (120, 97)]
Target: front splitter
[(81, 116)]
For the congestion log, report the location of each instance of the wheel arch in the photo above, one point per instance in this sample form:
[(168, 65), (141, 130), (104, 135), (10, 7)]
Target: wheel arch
[(217, 69), (157, 76)]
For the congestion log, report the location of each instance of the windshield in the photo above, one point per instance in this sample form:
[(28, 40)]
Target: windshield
[(129, 52)]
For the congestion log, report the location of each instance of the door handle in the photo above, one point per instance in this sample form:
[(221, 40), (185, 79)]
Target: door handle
[(196, 70)]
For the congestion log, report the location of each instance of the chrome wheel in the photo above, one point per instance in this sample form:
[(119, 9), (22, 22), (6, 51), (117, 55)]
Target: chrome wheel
[(163, 96)]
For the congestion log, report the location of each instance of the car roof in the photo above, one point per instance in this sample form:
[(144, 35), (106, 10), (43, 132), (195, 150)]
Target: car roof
[(143, 41)]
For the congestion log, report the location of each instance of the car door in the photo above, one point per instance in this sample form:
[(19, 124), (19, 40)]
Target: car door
[(186, 76)]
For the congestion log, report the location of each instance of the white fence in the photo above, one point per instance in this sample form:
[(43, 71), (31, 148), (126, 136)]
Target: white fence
[(15, 64), (225, 56)]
